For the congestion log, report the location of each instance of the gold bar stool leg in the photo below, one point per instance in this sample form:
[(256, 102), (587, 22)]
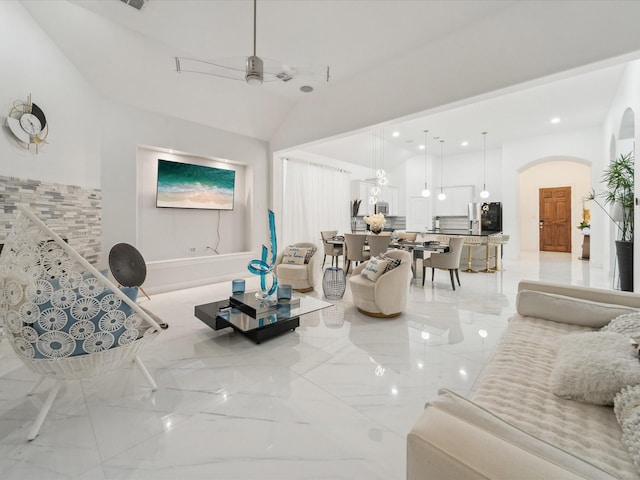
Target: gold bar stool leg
[(487, 268)]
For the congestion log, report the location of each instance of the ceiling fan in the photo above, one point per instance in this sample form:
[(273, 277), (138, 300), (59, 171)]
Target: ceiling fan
[(253, 69)]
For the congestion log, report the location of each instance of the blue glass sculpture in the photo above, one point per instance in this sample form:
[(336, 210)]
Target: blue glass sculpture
[(264, 268)]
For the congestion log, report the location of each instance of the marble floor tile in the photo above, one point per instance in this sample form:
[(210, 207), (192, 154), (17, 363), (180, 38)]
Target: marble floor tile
[(334, 399)]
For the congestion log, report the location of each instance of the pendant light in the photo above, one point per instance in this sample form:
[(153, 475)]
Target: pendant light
[(375, 190), (484, 193), (441, 195), (425, 192), (380, 173)]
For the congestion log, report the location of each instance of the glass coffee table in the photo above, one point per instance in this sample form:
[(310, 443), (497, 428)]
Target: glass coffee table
[(257, 320)]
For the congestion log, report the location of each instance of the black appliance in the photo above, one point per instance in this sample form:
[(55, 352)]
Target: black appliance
[(491, 219)]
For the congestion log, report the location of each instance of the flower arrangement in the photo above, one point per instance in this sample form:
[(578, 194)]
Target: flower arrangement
[(586, 219), (375, 222)]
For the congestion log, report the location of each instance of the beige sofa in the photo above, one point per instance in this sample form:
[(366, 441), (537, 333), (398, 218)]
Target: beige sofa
[(514, 427)]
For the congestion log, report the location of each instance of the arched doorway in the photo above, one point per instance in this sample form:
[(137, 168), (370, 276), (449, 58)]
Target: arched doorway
[(550, 172)]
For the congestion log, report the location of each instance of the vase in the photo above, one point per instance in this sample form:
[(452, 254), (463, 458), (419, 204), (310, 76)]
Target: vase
[(624, 254), (376, 230)]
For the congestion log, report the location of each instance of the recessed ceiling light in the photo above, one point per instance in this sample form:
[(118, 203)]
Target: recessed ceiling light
[(306, 89), (396, 134), (555, 120), (421, 147), (464, 143)]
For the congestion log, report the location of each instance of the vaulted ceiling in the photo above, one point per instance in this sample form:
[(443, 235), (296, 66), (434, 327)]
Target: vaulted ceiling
[(377, 52)]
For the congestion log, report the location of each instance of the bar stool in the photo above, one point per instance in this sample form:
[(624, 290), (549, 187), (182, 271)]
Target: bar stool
[(471, 242), (499, 240), (491, 242)]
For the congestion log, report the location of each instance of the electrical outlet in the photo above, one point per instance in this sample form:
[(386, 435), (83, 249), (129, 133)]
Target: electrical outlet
[(192, 249)]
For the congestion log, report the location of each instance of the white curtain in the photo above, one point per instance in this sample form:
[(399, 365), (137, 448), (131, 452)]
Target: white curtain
[(315, 198)]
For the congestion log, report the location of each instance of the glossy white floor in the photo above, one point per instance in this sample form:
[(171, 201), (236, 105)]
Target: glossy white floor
[(334, 399)]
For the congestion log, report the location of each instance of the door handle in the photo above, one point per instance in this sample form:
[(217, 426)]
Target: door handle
[(541, 223)]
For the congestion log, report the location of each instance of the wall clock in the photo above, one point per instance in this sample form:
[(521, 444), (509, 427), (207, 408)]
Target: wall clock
[(28, 124)]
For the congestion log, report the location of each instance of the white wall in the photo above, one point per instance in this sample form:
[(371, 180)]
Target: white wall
[(169, 233), (94, 143), (31, 64), (627, 96), (124, 131), (585, 145)]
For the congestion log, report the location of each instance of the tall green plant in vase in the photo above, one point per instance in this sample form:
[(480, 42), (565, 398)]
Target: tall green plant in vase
[(618, 178)]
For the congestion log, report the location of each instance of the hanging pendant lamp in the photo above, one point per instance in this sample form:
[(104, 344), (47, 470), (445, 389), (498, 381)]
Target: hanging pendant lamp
[(441, 195), (375, 190), (484, 193), (425, 192)]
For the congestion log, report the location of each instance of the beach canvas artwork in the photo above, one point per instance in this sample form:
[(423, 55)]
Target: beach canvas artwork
[(186, 185)]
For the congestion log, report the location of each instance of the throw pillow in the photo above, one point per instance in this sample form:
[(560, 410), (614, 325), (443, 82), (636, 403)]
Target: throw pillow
[(374, 268), (310, 253), (626, 406), (294, 255), (627, 325), (592, 367), (392, 262)]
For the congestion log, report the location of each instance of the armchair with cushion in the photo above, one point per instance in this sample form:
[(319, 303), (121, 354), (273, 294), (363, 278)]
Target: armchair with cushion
[(380, 291), (295, 266)]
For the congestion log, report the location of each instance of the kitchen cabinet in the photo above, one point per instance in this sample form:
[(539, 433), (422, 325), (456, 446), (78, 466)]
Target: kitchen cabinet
[(456, 203), (362, 190)]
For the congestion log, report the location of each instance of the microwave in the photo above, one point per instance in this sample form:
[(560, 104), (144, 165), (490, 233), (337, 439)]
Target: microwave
[(382, 207)]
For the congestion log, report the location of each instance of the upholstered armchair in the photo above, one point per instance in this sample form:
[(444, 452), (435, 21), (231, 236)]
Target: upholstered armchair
[(386, 295), (295, 266)]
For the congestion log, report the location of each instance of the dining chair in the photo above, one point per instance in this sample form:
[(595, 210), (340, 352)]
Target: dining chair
[(378, 244), (335, 251), (354, 249), (446, 261)]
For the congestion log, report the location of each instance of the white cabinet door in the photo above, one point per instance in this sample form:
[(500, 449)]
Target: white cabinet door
[(456, 203)]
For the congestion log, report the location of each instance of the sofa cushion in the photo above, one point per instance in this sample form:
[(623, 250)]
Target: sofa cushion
[(592, 367), (560, 308), (294, 255), (626, 406), (515, 386), (292, 272), (362, 288), (529, 450), (374, 268), (627, 324)]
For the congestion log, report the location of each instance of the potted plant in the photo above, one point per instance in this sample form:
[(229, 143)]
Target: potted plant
[(618, 179)]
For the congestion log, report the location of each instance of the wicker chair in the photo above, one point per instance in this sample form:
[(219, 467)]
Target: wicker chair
[(62, 317)]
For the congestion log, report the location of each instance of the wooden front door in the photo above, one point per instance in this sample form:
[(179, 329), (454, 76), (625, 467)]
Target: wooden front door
[(555, 219)]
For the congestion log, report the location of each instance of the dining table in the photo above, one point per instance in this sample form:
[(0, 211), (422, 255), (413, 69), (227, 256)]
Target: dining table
[(432, 246)]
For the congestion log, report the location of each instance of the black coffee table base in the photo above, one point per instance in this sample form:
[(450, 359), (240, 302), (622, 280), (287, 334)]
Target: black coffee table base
[(212, 314), (266, 332)]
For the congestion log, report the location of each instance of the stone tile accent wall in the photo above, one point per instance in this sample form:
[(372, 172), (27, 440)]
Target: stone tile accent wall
[(72, 212)]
